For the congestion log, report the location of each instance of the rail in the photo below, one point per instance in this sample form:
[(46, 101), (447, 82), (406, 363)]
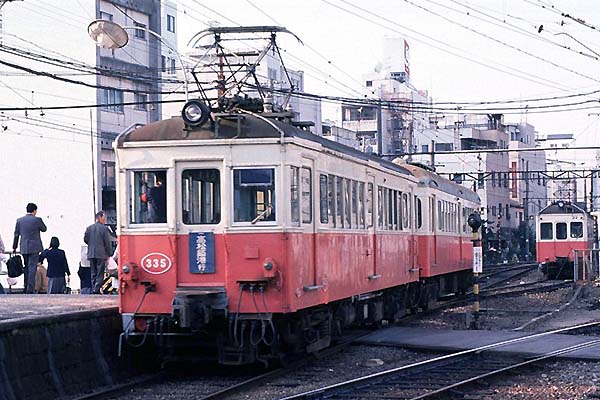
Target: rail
[(346, 387)]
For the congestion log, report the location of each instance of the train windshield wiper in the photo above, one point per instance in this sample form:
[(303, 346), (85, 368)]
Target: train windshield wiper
[(262, 215)]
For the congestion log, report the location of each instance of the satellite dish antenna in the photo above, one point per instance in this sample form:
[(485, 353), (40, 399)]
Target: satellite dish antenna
[(108, 34), (378, 67)]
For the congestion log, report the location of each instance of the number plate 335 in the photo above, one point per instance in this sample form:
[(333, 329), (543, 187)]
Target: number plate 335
[(156, 263)]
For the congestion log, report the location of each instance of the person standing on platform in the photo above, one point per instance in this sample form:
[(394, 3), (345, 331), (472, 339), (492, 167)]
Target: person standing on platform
[(97, 237), (58, 267), (28, 228)]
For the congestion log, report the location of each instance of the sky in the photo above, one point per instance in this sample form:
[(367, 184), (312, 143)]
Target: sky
[(461, 50)]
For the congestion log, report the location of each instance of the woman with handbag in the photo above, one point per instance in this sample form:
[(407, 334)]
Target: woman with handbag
[(58, 267)]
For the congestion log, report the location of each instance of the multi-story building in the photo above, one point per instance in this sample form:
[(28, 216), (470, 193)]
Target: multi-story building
[(563, 160), (528, 191), (388, 124), (63, 159), (337, 134)]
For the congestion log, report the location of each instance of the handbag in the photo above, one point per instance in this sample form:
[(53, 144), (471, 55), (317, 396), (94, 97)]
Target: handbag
[(14, 266)]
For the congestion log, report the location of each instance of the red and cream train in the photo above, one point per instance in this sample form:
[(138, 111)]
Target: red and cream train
[(274, 239)]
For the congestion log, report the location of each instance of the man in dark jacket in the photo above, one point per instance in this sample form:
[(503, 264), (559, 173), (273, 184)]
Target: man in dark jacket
[(97, 237), (28, 228)]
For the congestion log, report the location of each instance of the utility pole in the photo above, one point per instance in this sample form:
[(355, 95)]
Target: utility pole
[(525, 252)]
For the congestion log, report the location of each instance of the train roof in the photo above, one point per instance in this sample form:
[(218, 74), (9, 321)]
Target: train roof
[(433, 180), (564, 208), (242, 126)]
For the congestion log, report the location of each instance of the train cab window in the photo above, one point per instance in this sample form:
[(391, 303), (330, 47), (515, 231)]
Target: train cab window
[(201, 196), (546, 231), (576, 229), (323, 209), (306, 193), (294, 195), (561, 230), (148, 199), (254, 195)]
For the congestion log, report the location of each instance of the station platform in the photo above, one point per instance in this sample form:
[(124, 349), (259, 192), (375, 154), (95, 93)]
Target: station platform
[(15, 307), (458, 340)]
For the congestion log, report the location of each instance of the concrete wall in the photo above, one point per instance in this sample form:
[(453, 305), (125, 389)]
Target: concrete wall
[(60, 355)]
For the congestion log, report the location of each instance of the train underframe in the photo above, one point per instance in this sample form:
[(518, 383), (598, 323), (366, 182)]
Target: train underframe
[(200, 326)]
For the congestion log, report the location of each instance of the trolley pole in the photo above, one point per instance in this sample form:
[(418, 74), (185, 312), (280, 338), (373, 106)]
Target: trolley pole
[(474, 222)]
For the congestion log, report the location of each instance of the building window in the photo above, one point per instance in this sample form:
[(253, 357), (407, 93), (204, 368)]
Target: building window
[(112, 100), (163, 63), (106, 16), (201, 196), (141, 100), (108, 176), (173, 69), (140, 33), (171, 23), (369, 83)]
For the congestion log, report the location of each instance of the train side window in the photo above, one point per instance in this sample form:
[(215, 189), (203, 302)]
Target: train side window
[(561, 230), (392, 209), (254, 195), (546, 231), (576, 229), (369, 205), (295, 195), (440, 216), (339, 194), (306, 193), (380, 207), (348, 203), (355, 204), (401, 224), (148, 199), (201, 196), (361, 205), (323, 209), (419, 213), (331, 199)]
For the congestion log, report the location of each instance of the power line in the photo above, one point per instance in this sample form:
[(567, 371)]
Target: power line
[(503, 43)]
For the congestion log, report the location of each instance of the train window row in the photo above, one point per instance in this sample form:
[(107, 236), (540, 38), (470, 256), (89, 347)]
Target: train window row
[(394, 209), (345, 203), (558, 230), (448, 216)]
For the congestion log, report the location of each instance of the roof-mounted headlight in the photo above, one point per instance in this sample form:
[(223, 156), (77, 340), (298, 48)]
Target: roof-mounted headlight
[(195, 113)]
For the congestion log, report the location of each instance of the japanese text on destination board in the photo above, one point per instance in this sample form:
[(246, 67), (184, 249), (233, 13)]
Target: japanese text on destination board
[(202, 259)]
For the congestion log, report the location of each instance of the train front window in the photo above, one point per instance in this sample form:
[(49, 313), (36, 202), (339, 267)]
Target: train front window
[(148, 197), (201, 196), (254, 195), (546, 231), (576, 230), (561, 230)]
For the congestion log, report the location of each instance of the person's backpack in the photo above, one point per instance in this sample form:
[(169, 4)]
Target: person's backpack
[(15, 266)]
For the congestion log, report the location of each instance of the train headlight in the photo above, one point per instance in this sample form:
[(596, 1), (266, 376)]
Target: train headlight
[(195, 113)]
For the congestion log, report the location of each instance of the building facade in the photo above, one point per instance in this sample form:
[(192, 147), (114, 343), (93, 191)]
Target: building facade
[(62, 160)]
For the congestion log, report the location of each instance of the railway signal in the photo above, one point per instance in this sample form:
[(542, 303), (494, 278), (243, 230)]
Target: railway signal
[(475, 222)]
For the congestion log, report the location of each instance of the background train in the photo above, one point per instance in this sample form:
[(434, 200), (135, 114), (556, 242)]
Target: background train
[(243, 236), (562, 228)]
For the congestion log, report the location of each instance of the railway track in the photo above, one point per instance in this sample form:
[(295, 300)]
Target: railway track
[(441, 376), (216, 383)]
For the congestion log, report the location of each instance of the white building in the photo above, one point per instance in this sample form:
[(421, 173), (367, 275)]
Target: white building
[(62, 160), (528, 190), (337, 134), (561, 160)]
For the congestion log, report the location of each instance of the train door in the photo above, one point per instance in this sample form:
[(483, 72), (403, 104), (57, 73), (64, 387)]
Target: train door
[(370, 216), (459, 233), (307, 192), (433, 224), (198, 203), (413, 230)]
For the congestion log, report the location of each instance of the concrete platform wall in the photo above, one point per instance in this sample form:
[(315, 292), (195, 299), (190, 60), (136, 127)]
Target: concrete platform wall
[(60, 355)]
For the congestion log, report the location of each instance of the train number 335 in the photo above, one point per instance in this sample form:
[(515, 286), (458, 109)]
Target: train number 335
[(156, 263)]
